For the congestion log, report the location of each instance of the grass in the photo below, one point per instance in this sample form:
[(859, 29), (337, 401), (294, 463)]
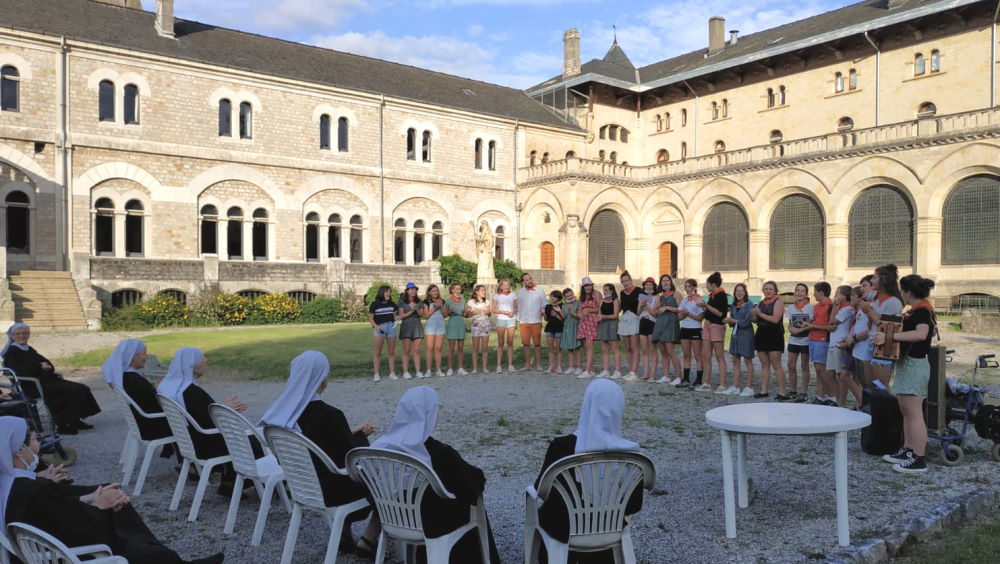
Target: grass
[(976, 542)]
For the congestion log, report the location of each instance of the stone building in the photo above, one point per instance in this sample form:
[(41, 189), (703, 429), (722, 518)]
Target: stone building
[(140, 154)]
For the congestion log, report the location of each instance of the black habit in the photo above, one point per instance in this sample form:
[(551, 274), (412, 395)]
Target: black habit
[(68, 401), (143, 394), (196, 402), (327, 426)]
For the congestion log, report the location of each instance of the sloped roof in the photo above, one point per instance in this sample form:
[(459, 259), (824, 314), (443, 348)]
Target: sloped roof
[(94, 22)]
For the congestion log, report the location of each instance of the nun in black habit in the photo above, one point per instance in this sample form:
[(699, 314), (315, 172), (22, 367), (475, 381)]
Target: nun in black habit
[(123, 369), (76, 515), (69, 402)]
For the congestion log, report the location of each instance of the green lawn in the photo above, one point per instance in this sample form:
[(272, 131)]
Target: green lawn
[(973, 543)]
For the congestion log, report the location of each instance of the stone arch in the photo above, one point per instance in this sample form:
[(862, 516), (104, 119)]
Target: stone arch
[(85, 183), (413, 209), (545, 196), (765, 206), (24, 163), (243, 173), (718, 190), (613, 199), (494, 211), (855, 179), (120, 191), (364, 194), (949, 170), (16, 61), (664, 196), (334, 200)]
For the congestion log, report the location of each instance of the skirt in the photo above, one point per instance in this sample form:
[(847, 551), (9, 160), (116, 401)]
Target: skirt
[(769, 338), (568, 341), (607, 330), (456, 328), (912, 375), (666, 329), (411, 328)]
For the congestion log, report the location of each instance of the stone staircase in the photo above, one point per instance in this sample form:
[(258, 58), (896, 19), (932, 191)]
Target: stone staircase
[(46, 299)]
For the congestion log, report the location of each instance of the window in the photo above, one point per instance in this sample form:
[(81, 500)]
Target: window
[(399, 241), (614, 157), (548, 255), (662, 156), (684, 150), (437, 240), (246, 120), (225, 118), (498, 245), (852, 79), (209, 230), (720, 146), (606, 252), (418, 241), (684, 117), (601, 155), (935, 61), (726, 239), (125, 298), (623, 135), (356, 230), (333, 236), (725, 108), (782, 100), (838, 82), (259, 234), (178, 295), (479, 154), (234, 233), (18, 222), (324, 132), (491, 155), (10, 89), (604, 132), (133, 228), (425, 147), (919, 65), (302, 296), (131, 105), (342, 135), (775, 136), (104, 227), (797, 234), (880, 228), (659, 123), (532, 157), (312, 237), (666, 121), (612, 133), (106, 101), (927, 109), (715, 110), (971, 227), (845, 124), (411, 144), (570, 154), (770, 98), (251, 294), (545, 157)]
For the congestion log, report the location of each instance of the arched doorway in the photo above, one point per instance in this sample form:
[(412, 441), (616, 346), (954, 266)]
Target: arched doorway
[(548, 255), (668, 259)]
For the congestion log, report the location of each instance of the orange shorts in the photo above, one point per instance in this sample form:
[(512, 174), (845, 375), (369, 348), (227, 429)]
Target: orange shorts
[(531, 334)]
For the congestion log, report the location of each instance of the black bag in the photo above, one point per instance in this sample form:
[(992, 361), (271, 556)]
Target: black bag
[(885, 434)]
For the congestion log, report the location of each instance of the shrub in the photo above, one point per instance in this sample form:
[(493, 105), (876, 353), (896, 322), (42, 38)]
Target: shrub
[(370, 294), (274, 308), (354, 310), (162, 311), (230, 309), (122, 319), (507, 269), (322, 310), (457, 270)]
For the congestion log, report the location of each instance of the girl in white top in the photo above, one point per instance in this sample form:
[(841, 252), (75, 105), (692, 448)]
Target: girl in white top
[(798, 342), (839, 351), (691, 344), (504, 306)]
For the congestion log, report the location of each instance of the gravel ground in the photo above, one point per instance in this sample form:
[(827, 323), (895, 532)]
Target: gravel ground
[(498, 423)]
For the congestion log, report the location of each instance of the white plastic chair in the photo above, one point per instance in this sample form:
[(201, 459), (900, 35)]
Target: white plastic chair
[(179, 421), (133, 441), (595, 488), (293, 451), (38, 547), (398, 483), (265, 472), (7, 548)]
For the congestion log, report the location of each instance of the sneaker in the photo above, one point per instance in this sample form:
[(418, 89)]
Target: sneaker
[(685, 384), (376, 378), (549, 370), (762, 395), (830, 402), (440, 374), (675, 382), (720, 390), (583, 374), (559, 370), (407, 376), (661, 380), (704, 388), (449, 372), (818, 401), (392, 376), (912, 465), (460, 372), (747, 392), (782, 397), (511, 369), (538, 367), (631, 376), (731, 391), (499, 370), (422, 375), (616, 375), (900, 456), (801, 398), (603, 374)]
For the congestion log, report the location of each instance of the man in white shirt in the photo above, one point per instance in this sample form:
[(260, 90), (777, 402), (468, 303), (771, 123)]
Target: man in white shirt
[(531, 304)]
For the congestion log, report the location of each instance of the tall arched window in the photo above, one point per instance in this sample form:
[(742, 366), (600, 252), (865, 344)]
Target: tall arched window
[(106, 101), (797, 234), (971, 229), (498, 247), (225, 118), (935, 61), (246, 120), (919, 65), (479, 154), (333, 236), (852, 79), (726, 239), (418, 241), (613, 157), (725, 107), (312, 237), (411, 144), (838, 82), (684, 150), (720, 146), (10, 89), (666, 121), (342, 135), (782, 96), (601, 155), (425, 147), (684, 117), (548, 255), (437, 239), (209, 230), (259, 234), (532, 158), (715, 110), (491, 155), (659, 123), (324, 131), (18, 222), (357, 227), (131, 105), (133, 228), (399, 241), (104, 227), (770, 97), (880, 228), (234, 233), (606, 251)]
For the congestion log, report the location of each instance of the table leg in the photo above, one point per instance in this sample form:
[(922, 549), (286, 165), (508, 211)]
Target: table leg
[(741, 469), (840, 465), (727, 484)]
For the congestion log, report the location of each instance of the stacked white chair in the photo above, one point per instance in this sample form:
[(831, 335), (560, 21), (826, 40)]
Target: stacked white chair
[(295, 453), (595, 488), (398, 483), (38, 547), (133, 441)]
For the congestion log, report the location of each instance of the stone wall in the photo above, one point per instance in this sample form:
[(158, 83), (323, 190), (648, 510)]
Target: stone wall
[(981, 323), (102, 268), (271, 272)]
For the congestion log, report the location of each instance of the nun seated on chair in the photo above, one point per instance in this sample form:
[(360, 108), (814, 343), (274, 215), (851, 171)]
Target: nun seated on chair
[(179, 385), (76, 515), (300, 408), (69, 402), (123, 369), (600, 429), (410, 433)]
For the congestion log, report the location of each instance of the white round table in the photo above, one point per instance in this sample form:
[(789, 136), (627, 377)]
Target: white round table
[(783, 419)]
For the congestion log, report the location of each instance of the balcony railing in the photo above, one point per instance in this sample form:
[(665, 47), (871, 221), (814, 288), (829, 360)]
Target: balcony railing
[(799, 149)]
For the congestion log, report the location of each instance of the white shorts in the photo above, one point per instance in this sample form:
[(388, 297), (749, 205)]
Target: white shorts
[(628, 324)]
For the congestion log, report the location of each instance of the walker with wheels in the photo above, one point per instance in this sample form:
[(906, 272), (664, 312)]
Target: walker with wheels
[(957, 405), (39, 418)]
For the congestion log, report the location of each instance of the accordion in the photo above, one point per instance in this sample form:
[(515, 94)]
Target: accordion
[(889, 349)]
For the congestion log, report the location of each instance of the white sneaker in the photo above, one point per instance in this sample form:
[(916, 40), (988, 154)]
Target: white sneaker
[(583, 374), (662, 380), (616, 375), (440, 374), (704, 388), (407, 375), (499, 370), (747, 392), (603, 374), (421, 374), (549, 370), (559, 370), (731, 391), (511, 369), (675, 382), (376, 378), (631, 377), (720, 390), (448, 373), (460, 372), (392, 376)]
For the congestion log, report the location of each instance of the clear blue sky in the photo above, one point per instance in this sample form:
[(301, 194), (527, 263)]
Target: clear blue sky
[(511, 42)]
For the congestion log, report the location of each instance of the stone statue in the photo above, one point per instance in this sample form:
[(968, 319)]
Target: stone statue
[(484, 254)]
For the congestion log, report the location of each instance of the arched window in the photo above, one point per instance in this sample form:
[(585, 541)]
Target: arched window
[(613, 157), (548, 255), (491, 155), (919, 65), (623, 135), (106, 101), (131, 105), (425, 147), (666, 121), (246, 120), (479, 154), (532, 157), (684, 150), (251, 294), (601, 155), (259, 234), (720, 146), (606, 251), (775, 136), (498, 246), (234, 233), (845, 124), (545, 157), (324, 132), (209, 230), (662, 156), (726, 239), (725, 108), (225, 118), (838, 82), (133, 228), (612, 132), (125, 298), (797, 234), (342, 135), (333, 236), (604, 132), (927, 109), (770, 97), (971, 229), (935, 61), (418, 241), (399, 241), (302, 296), (312, 237), (715, 110), (18, 222), (684, 117), (852, 79), (570, 154), (357, 228), (880, 228), (411, 144), (178, 295), (782, 98), (668, 259), (659, 123), (10, 89), (104, 227), (437, 240)]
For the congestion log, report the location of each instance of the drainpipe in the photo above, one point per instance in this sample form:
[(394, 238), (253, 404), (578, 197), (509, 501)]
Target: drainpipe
[(63, 228), (878, 77), (517, 205), (696, 116), (993, 57), (381, 178)]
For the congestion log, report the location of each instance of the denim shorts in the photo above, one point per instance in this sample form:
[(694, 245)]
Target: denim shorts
[(554, 335), (388, 330), (818, 350), (507, 323)]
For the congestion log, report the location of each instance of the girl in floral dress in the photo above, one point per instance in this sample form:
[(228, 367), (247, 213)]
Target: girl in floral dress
[(589, 307), (478, 308)]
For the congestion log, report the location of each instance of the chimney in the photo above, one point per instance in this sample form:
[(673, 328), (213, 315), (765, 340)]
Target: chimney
[(733, 34), (571, 52), (716, 34), (165, 17)]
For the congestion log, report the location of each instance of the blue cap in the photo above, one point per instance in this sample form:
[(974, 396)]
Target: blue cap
[(410, 285)]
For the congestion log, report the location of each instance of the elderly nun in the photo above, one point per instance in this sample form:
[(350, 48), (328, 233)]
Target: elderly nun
[(123, 370), (410, 433)]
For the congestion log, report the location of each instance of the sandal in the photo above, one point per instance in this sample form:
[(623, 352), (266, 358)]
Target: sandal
[(367, 551)]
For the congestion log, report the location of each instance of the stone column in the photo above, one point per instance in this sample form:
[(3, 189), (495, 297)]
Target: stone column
[(119, 234), (927, 246), (323, 233), (247, 250), (692, 257), (760, 256), (408, 247), (222, 239), (836, 249)]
